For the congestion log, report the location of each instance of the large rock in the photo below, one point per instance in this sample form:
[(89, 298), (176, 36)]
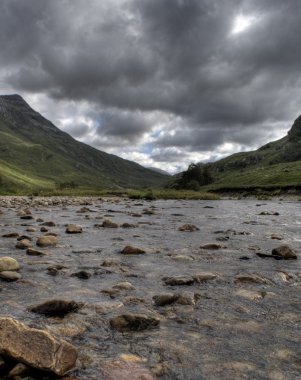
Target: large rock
[(55, 307), (37, 348), (8, 264), (47, 241), (285, 252)]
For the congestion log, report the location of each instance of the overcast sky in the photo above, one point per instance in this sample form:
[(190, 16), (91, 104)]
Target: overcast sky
[(161, 82)]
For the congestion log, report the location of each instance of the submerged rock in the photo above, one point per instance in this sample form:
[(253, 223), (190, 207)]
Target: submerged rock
[(178, 280), (129, 250), (188, 228), (134, 322), (55, 308), (36, 348)]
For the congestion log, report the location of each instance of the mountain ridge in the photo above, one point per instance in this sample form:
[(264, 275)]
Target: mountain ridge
[(32, 145)]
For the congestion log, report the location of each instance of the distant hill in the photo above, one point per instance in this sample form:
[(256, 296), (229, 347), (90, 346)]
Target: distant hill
[(36, 154), (276, 164), (160, 171)]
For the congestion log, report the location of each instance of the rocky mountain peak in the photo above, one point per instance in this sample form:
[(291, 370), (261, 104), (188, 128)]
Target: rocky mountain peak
[(294, 133)]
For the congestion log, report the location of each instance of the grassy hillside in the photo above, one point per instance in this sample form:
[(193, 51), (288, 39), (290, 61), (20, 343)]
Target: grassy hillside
[(274, 165), (34, 153)]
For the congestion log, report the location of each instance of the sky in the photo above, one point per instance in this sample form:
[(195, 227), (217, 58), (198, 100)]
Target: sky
[(161, 82)]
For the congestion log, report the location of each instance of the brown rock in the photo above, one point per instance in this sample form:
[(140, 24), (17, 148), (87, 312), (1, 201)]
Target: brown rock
[(134, 322), (285, 252), (129, 250), (109, 224), (11, 235), (35, 252), (55, 307), (36, 348), (178, 280), (8, 264), (23, 244), (188, 228), (73, 229), (47, 241), (211, 246)]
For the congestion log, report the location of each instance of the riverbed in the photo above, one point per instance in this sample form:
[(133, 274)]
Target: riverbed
[(242, 322)]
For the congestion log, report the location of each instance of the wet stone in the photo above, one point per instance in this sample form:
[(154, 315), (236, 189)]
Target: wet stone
[(130, 250), (178, 280), (73, 229), (134, 322), (188, 228), (285, 252), (55, 308), (47, 241), (211, 246), (35, 252), (10, 275), (8, 264), (23, 244), (83, 275), (46, 352)]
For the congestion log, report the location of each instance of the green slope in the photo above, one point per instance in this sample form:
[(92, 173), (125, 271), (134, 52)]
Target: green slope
[(34, 148)]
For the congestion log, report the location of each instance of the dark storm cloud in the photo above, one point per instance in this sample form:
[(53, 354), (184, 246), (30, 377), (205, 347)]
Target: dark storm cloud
[(175, 57)]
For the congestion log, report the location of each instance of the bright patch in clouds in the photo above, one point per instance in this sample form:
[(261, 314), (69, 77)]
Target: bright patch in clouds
[(242, 23)]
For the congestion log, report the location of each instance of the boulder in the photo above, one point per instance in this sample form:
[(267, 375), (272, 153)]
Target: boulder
[(55, 308), (47, 241), (8, 264), (36, 348), (285, 252)]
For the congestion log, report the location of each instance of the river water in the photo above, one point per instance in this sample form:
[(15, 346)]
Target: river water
[(233, 328)]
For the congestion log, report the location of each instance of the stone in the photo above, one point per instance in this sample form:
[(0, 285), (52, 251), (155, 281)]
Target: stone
[(73, 229), (36, 348), (134, 322), (285, 252), (47, 241), (109, 224), (250, 279), (183, 258), (165, 299), (178, 280), (211, 246), (9, 275), (18, 370), (188, 228), (82, 274), (124, 286), (31, 229), (128, 225), (23, 244), (44, 229), (48, 224), (204, 276), (55, 308), (8, 264), (11, 235), (129, 250), (35, 252)]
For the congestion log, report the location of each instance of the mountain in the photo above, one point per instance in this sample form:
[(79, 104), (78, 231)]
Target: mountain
[(276, 164), (159, 171), (36, 154)]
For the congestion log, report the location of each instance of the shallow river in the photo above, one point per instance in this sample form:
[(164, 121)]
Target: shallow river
[(233, 328)]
